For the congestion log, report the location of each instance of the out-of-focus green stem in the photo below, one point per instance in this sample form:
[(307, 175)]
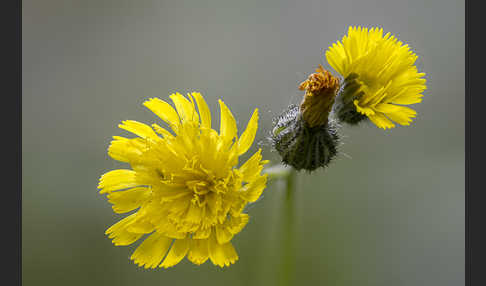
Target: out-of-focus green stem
[(278, 172), (289, 231), (288, 217)]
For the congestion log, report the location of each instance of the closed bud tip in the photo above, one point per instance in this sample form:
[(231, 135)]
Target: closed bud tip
[(320, 92)]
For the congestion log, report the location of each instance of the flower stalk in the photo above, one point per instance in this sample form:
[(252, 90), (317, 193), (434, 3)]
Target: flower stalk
[(288, 263), (288, 174)]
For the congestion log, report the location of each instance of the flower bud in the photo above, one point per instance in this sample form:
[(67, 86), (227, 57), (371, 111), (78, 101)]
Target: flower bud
[(306, 136)]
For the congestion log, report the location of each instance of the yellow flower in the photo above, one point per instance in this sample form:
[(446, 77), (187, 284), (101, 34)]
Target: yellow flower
[(188, 194), (386, 73)]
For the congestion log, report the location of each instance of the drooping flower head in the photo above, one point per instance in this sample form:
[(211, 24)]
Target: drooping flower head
[(184, 184), (380, 77)]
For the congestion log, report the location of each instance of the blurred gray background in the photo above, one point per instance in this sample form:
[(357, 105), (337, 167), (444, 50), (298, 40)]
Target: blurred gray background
[(388, 211)]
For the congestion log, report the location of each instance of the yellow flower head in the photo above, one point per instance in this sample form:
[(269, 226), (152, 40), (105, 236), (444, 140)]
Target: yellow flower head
[(188, 194), (386, 73)]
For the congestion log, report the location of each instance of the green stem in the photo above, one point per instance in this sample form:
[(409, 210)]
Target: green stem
[(288, 217), (289, 231), (278, 172)]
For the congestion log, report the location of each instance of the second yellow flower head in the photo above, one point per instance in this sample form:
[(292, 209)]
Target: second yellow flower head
[(384, 72)]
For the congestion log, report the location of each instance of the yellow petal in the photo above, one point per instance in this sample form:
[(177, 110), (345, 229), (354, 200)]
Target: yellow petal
[(178, 251), (120, 234), (223, 235), (214, 202), (252, 191), (204, 111), (221, 254), (142, 226), (400, 114), (117, 180), (138, 128), (248, 135), (409, 96), (178, 207), (199, 251), (194, 213), (185, 108), (381, 121), (125, 149), (166, 134), (232, 225), (125, 201), (168, 194), (363, 110), (151, 251), (163, 110), (252, 167), (202, 233), (238, 206), (228, 123), (237, 223), (168, 229)]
